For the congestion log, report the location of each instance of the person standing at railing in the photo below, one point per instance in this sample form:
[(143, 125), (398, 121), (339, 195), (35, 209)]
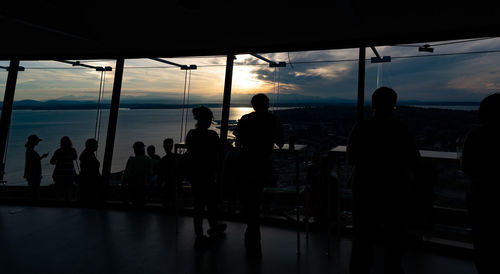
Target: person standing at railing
[(137, 174), (166, 175), (33, 166), (203, 157), (385, 158), (89, 179), (256, 134), (64, 174), (155, 160), (481, 163)]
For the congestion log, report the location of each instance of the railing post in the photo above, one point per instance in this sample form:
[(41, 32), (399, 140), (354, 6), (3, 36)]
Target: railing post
[(113, 120), (8, 101), (361, 84), (226, 103)]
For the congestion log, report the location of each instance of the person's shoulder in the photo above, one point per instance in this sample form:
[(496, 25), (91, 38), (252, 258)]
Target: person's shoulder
[(85, 154), (131, 158), (190, 135), (247, 117), (191, 132), (476, 132), (30, 152), (213, 133), (168, 157)]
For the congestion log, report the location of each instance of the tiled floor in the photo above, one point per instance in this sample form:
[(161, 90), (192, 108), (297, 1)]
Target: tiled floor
[(71, 240)]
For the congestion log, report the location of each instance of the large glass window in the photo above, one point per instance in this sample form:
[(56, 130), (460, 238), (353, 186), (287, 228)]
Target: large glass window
[(157, 100), (53, 100)]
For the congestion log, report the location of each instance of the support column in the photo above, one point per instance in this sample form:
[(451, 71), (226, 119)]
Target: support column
[(5, 119), (361, 84), (113, 120), (226, 103)]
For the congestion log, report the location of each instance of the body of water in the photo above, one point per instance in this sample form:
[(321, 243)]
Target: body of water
[(451, 107), (148, 126)]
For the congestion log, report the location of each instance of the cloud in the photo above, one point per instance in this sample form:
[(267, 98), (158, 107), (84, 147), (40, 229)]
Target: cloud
[(430, 78)]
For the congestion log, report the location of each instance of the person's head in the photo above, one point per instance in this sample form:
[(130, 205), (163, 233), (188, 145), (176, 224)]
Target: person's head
[(203, 116), (168, 144), (91, 144), (151, 150), (260, 102), (489, 110), (139, 148), (33, 140), (66, 142), (384, 101)]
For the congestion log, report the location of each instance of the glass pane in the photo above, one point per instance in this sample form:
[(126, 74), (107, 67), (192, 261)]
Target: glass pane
[(157, 99), (53, 100), (313, 96)]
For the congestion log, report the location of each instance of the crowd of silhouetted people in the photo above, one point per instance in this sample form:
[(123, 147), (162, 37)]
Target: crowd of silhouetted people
[(256, 134), (64, 175), (381, 148)]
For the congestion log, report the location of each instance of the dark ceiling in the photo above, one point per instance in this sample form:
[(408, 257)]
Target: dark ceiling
[(136, 29)]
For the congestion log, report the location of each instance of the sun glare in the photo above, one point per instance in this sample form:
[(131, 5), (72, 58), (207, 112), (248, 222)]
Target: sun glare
[(244, 79)]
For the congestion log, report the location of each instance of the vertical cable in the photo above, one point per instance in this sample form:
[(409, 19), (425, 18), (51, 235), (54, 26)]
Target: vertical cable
[(183, 107), (100, 111), (97, 119), (278, 90), (187, 103), (274, 90)]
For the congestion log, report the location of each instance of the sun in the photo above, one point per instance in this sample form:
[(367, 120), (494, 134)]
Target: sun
[(245, 79)]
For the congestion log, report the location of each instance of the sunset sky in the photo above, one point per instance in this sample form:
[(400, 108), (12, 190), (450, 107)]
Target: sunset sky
[(312, 75)]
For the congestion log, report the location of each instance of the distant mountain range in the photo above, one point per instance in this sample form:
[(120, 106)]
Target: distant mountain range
[(158, 102)]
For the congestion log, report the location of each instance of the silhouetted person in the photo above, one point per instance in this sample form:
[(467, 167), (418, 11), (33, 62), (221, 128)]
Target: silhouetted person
[(33, 166), (137, 174), (481, 163), (64, 174), (203, 149), (155, 161), (256, 134), (89, 177), (166, 174), (385, 158)]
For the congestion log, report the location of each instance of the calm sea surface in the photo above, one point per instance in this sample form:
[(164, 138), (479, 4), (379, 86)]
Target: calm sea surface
[(148, 126), (451, 107)]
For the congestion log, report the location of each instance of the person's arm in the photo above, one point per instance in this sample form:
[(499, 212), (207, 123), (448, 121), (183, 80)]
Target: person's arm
[(85, 164), (53, 160), (189, 140), (237, 132), (126, 172), (74, 154), (26, 163)]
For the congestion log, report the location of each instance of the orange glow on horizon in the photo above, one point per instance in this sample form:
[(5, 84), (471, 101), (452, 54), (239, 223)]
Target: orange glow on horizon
[(246, 81)]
